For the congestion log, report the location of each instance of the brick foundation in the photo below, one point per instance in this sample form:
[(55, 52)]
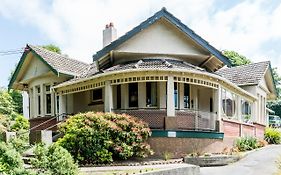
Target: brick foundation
[(259, 130), (36, 121), (180, 147)]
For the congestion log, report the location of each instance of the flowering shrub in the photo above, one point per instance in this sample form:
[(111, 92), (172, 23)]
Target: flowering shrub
[(272, 136), (101, 137)]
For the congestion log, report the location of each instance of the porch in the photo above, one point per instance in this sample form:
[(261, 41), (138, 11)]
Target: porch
[(165, 103)]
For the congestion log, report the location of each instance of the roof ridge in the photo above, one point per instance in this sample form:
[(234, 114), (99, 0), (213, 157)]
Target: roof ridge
[(66, 57), (244, 65)]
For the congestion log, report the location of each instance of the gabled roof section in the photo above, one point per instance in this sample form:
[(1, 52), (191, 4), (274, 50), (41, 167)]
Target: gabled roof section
[(56, 62), (163, 13), (60, 63), (250, 74)]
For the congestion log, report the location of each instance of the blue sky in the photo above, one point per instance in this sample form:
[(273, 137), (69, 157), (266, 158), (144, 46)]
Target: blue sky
[(251, 27)]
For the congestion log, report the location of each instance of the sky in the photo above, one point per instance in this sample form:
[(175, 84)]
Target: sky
[(250, 27)]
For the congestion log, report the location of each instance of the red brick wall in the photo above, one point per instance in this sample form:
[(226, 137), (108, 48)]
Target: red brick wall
[(259, 130), (180, 147), (248, 130), (36, 121), (231, 129)]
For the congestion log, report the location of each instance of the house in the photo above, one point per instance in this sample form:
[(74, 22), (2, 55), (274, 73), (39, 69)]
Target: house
[(160, 71)]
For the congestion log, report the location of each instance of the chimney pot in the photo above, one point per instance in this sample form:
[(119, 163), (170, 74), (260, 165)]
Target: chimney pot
[(109, 34)]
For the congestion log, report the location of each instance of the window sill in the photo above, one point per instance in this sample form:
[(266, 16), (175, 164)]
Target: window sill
[(95, 103)]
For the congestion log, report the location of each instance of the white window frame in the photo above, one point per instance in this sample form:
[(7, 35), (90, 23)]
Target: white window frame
[(45, 99)]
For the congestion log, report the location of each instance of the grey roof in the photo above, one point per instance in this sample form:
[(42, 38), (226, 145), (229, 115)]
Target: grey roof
[(60, 63), (155, 64), (245, 74), (163, 13)]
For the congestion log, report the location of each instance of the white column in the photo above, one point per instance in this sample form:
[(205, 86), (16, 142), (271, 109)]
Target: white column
[(218, 103), (25, 104), (42, 90), (170, 97), (162, 94), (53, 104), (142, 94), (35, 103), (239, 110), (62, 106), (108, 97), (124, 96), (180, 95)]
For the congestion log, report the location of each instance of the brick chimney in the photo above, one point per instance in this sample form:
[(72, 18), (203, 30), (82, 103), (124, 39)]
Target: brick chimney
[(109, 34)]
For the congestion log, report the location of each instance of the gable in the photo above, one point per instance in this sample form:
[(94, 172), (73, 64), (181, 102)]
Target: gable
[(162, 38), (34, 69), (213, 62)]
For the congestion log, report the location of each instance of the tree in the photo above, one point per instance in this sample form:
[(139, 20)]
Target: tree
[(7, 104), (236, 59), (52, 48)]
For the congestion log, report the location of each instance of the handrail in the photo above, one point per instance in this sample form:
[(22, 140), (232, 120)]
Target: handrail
[(40, 124)]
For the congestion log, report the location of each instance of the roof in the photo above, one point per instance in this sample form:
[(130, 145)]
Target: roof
[(60, 63), (163, 13), (155, 64), (250, 74), (56, 62)]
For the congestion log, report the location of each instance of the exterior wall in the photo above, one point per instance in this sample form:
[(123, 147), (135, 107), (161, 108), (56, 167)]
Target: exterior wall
[(259, 130), (180, 147), (151, 40), (82, 103), (231, 128), (204, 96), (35, 68)]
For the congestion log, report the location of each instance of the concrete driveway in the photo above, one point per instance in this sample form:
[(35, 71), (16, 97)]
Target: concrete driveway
[(261, 162)]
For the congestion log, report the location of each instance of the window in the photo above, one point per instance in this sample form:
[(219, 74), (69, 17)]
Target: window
[(58, 104), (97, 95), (228, 103), (246, 107), (176, 95), (186, 97), (38, 90), (151, 94), (133, 95), (118, 96), (48, 100)]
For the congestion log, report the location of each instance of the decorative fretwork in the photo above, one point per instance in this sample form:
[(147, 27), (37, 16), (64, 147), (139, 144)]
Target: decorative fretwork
[(196, 81), (84, 87), (138, 79)]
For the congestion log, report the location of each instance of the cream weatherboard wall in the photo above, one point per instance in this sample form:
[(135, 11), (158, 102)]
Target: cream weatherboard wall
[(161, 37)]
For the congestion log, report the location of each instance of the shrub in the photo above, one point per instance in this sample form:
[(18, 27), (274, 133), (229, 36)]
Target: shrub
[(20, 124), (53, 160), (272, 136), (10, 161), (101, 137), (246, 143)]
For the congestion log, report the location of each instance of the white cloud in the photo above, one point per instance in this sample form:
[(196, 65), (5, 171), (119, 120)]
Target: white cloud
[(76, 26)]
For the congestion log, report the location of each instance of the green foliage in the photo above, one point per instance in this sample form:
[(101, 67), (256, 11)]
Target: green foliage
[(17, 100), (101, 137), (20, 124), (52, 48), (6, 104), (272, 136), (246, 143), (53, 160), (10, 161), (236, 59)]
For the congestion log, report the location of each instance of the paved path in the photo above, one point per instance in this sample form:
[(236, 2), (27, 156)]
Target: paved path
[(261, 162)]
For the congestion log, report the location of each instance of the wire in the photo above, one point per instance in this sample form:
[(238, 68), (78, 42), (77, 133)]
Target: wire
[(11, 52)]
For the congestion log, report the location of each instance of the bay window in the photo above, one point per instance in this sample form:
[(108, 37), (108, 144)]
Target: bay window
[(246, 110)]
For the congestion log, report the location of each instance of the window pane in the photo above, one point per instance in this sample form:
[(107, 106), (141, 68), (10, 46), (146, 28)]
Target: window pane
[(39, 105), (97, 94), (186, 97), (133, 95), (176, 94), (48, 88), (48, 103), (151, 94)]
